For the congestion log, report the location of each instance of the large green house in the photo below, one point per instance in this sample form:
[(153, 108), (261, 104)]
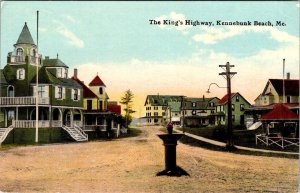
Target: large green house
[(59, 98)]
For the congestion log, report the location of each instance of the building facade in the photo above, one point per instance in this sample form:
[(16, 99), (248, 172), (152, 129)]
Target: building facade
[(59, 98), (239, 105)]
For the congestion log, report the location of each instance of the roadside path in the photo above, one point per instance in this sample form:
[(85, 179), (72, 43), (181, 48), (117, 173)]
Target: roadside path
[(221, 144)]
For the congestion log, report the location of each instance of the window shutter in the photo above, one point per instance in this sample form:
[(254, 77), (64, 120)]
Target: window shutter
[(72, 94), (64, 93), (34, 91), (46, 91), (56, 92)]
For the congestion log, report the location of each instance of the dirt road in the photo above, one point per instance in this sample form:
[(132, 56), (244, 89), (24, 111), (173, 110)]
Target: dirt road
[(131, 164)]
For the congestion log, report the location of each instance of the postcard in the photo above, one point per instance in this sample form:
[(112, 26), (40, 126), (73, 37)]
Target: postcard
[(177, 96)]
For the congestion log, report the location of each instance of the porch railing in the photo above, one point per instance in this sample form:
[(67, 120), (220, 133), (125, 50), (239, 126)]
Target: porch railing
[(56, 123), (17, 59), (23, 100), (30, 123), (94, 127), (77, 123)]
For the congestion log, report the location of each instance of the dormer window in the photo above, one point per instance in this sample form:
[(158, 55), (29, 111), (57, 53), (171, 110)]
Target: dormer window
[(193, 104), (19, 52), (101, 90), (21, 74), (59, 72)]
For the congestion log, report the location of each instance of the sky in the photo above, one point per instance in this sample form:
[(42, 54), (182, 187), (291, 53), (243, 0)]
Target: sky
[(118, 41)]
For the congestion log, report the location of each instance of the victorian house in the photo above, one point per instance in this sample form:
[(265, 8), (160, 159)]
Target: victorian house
[(98, 113), (59, 98), (238, 104), (199, 112)]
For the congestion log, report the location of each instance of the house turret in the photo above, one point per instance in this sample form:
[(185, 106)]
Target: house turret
[(26, 51), (98, 87)]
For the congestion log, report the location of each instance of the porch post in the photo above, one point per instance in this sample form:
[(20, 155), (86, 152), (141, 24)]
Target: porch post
[(72, 118), (17, 113), (50, 117)]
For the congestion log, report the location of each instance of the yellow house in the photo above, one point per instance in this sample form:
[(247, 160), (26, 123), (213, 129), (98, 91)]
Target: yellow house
[(155, 107)]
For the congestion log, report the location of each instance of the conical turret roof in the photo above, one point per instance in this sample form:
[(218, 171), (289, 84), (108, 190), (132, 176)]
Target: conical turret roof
[(25, 36)]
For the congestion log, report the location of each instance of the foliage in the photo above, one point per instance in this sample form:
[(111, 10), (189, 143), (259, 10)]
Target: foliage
[(127, 100)]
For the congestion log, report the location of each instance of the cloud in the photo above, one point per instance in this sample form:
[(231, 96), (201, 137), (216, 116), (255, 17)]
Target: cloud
[(71, 37), (71, 19), (212, 35), (298, 4), (42, 29)]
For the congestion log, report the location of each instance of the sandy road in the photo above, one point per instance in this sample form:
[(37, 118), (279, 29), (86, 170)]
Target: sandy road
[(131, 164)]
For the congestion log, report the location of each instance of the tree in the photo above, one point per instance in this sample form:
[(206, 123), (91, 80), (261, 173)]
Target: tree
[(127, 100)]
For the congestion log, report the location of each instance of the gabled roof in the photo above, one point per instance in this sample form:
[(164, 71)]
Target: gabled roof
[(291, 86), (280, 112), (224, 100), (87, 93), (47, 77), (54, 63), (25, 36), (2, 77), (200, 103), (97, 82), (162, 100)]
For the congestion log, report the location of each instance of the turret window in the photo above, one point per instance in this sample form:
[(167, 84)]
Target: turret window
[(19, 52), (33, 52), (21, 74)]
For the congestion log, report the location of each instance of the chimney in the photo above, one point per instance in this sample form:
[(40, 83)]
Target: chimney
[(75, 73), (288, 76)]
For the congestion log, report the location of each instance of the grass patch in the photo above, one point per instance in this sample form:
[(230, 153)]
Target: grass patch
[(131, 132)]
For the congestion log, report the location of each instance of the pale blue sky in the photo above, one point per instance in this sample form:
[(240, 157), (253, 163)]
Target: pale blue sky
[(116, 40)]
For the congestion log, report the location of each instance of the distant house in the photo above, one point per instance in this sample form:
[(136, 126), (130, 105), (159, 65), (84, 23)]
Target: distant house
[(273, 92), (173, 113), (155, 107), (239, 104), (199, 111)]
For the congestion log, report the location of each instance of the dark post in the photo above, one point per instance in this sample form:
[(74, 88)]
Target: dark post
[(228, 75)]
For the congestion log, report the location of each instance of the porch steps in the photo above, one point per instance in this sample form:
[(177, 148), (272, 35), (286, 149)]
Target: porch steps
[(76, 133), (4, 132), (255, 125)]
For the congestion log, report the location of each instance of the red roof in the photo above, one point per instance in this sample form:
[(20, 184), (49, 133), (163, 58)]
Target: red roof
[(225, 98), (114, 108), (87, 93), (280, 112), (97, 82)]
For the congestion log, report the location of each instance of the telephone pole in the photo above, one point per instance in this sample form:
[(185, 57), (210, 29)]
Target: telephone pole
[(228, 75)]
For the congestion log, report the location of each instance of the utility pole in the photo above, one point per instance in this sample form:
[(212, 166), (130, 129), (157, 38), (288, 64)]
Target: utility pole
[(228, 75)]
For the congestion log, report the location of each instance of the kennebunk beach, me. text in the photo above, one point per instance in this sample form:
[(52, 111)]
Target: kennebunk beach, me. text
[(188, 22)]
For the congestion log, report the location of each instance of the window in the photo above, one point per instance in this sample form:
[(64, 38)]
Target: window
[(19, 52), (101, 105), (211, 104), (232, 105), (89, 104), (59, 92), (237, 98), (155, 108), (66, 73), (101, 90), (59, 72), (10, 91), (193, 104), (75, 94), (41, 91), (193, 112), (21, 74), (155, 114), (242, 108), (11, 115), (33, 52), (233, 118)]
